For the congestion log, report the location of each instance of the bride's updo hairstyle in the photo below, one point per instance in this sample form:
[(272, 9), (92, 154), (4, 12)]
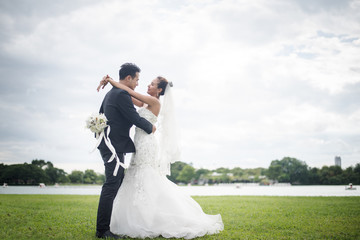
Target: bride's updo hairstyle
[(163, 84)]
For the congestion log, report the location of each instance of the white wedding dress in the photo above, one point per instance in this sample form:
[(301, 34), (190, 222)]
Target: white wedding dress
[(149, 205)]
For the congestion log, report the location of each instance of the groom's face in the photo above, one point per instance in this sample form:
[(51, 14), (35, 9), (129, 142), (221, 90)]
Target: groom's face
[(134, 82)]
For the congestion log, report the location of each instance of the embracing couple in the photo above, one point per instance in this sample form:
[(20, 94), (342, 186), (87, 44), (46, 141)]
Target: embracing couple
[(142, 202)]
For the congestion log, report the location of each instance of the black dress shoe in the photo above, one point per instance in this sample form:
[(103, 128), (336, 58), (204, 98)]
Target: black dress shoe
[(107, 235)]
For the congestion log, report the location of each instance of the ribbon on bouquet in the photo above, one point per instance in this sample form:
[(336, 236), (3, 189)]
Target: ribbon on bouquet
[(111, 148)]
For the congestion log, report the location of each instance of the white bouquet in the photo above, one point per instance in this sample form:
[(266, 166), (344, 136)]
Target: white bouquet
[(96, 123)]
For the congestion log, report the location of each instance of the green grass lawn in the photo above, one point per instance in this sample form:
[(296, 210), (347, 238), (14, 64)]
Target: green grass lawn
[(74, 217)]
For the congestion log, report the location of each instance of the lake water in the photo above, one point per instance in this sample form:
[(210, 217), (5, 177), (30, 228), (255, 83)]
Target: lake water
[(218, 190)]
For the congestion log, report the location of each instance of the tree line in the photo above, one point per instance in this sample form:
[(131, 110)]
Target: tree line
[(287, 170), (295, 171), (40, 171)]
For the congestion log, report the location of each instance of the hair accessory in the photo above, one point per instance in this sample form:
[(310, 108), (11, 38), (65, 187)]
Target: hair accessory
[(171, 84)]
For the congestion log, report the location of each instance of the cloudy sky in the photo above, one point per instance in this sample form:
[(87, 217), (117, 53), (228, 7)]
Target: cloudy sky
[(254, 80)]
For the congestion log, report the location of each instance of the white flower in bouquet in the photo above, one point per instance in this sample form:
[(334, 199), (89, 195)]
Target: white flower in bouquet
[(96, 123)]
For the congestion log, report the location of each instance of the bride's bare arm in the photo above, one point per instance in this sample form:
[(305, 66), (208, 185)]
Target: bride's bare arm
[(137, 102), (105, 81), (138, 96)]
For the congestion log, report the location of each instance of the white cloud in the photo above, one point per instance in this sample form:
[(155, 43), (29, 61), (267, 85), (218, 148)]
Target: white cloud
[(254, 81)]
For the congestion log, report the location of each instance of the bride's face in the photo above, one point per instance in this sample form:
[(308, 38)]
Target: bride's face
[(153, 88)]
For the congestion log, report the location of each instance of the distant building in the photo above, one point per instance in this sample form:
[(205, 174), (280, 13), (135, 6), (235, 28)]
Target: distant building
[(337, 161)]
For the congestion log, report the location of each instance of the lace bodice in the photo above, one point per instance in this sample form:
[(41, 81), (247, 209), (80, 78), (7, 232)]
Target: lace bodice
[(148, 115), (145, 144)]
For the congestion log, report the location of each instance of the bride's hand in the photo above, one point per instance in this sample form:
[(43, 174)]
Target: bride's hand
[(104, 81)]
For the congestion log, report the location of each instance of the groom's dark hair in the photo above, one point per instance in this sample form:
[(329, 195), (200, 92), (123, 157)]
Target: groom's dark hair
[(128, 69)]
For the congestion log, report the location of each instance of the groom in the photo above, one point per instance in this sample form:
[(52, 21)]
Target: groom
[(121, 114)]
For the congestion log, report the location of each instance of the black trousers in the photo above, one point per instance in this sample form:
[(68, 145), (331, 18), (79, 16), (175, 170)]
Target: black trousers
[(109, 190)]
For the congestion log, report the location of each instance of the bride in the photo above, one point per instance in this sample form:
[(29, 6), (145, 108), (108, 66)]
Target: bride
[(147, 203)]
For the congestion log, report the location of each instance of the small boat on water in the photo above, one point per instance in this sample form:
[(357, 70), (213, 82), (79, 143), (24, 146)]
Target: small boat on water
[(350, 187)]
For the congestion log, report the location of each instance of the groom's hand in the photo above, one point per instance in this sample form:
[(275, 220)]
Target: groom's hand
[(154, 129)]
